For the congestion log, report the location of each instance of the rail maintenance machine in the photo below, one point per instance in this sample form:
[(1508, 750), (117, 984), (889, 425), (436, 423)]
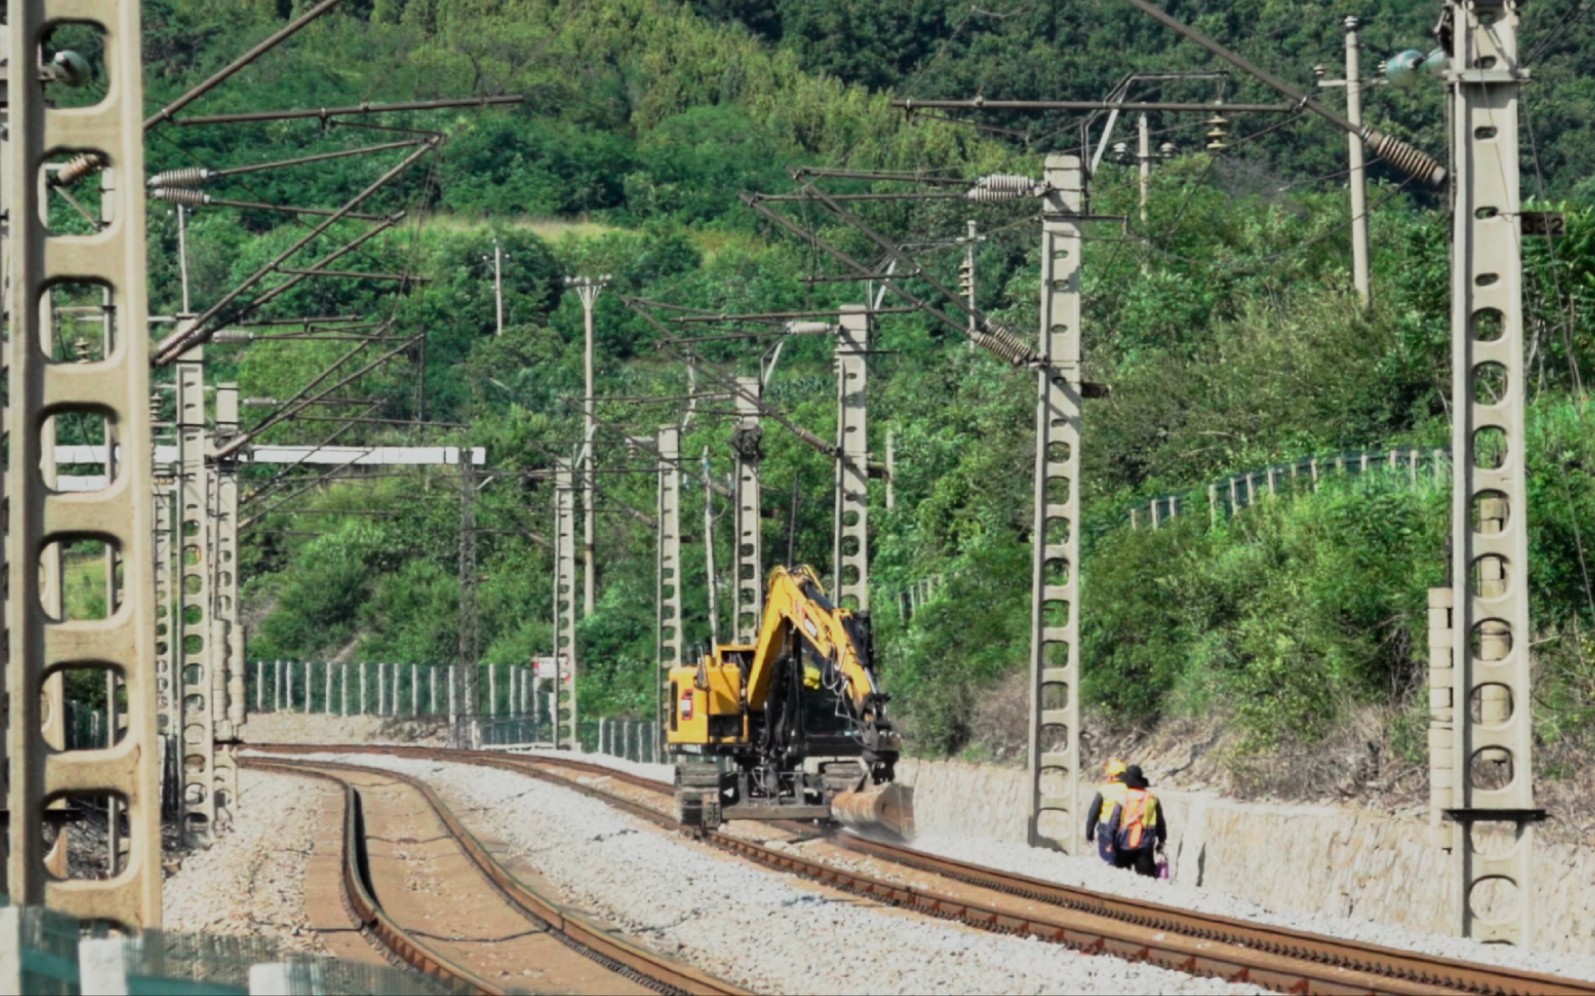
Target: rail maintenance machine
[(793, 727)]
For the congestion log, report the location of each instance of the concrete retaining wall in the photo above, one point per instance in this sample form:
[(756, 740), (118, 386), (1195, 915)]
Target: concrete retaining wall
[(1293, 858)]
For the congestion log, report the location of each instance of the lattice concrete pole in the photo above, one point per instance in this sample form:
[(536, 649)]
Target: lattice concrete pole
[(1489, 509), (850, 524), (588, 289), (196, 656), (226, 641), (667, 572), (53, 708), (1442, 719), (116, 387), (748, 560), (471, 698), (10, 969), (1054, 754), (565, 607)]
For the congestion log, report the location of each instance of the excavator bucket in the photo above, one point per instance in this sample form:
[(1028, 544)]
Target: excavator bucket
[(887, 809)]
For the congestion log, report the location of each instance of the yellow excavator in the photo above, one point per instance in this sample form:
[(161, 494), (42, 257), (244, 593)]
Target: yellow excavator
[(792, 727)]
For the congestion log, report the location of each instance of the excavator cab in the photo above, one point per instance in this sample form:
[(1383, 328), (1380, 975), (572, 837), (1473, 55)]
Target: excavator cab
[(792, 727)]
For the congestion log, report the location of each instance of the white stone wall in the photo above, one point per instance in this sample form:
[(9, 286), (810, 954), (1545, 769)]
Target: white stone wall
[(1291, 858)]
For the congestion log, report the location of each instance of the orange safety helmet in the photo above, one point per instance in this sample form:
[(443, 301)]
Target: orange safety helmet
[(1115, 768)]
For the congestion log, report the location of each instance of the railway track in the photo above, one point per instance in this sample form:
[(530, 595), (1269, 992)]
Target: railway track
[(1197, 943), (438, 900)]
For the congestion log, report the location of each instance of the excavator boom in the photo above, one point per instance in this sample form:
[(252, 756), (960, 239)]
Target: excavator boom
[(793, 724)]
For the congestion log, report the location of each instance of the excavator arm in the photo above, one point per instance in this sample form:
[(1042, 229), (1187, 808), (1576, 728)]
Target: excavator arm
[(836, 651), (793, 724)]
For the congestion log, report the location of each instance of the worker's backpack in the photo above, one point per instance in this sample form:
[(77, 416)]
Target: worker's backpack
[(1129, 830)]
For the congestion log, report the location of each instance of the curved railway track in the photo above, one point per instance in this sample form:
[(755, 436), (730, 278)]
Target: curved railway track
[(425, 864), (1198, 943)]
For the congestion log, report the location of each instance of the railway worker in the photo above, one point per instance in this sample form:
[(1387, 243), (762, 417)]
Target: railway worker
[(1109, 794), (1138, 826)]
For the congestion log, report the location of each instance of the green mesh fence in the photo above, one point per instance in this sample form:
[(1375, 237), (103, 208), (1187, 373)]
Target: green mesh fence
[(180, 963), (46, 949)]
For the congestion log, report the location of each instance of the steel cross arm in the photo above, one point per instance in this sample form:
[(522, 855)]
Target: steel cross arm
[(981, 104), (197, 334), (281, 475), (324, 113), (409, 278), (642, 517), (907, 195), (323, 262), (777, 316), (195, 177), (243, 438), (304, 391), (733, 390), (1409, 160), (847, 174), (750, 336), (189, 197), (987, 334), (294, 494), (220, 76), (1020, 355), (736, 390), (309, 320)]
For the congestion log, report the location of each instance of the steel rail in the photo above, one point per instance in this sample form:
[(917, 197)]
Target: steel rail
[(359, 902), (576, 930), (1180, 939)]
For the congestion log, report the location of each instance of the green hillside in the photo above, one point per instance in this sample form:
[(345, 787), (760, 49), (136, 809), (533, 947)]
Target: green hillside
[(1224, 323)]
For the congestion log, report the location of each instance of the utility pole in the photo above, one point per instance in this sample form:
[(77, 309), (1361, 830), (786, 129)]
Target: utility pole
[(588, 289), (498, 287), (226, 637), (850, 525), (1357, 179), (1143, 158), (667, 574), (708, 549), (1493, 793), (465, 733), (117, 387), (196, 689), (747, 590), (565, 729), (1054, 741)]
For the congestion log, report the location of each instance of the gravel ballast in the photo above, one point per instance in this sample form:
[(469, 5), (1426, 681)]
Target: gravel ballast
[(762, 930), (1090, 873), (251, 880)]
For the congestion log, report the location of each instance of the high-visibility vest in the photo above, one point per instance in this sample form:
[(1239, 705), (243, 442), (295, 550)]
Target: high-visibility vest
[(1138, 810), (1112, 795)]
